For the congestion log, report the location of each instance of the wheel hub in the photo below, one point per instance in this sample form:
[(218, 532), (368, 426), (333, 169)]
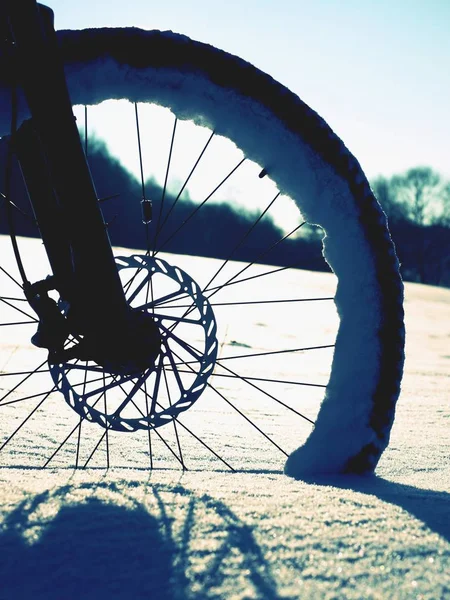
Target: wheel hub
[(127, 352), (146, 377)]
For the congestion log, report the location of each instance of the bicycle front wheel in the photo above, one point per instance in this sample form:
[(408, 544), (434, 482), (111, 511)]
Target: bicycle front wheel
[(282, 140)]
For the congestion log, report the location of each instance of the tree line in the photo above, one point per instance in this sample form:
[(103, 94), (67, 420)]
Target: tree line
[(417, 204)]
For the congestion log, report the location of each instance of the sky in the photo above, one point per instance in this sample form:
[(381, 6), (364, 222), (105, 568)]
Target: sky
[(376, 70)]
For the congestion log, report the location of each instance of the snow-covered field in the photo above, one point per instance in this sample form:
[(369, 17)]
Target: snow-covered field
[(131, 533)]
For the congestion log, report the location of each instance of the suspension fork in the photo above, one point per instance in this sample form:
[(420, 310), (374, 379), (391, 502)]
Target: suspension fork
[(97, 297)]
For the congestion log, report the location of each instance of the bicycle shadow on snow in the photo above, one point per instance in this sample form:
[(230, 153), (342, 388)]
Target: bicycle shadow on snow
[(430, 507), (97, 541)]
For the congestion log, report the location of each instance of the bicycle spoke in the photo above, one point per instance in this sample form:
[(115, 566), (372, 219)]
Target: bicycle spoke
[(13, 299), (277, 400), (150, 294), (86, 131), (143, 377), (163, 196), (175, 370), (257, 260), (41, 393), (38, 395), (150, 453), (12, 374), (164, 441), (259, 275), (84, 368), (195, 211), (172, 297), (96, 447), (106, 412), (174, 420), (192, 351), (286, 351), (280, 301), (249, 302), (139, 288), (203, 443), (156, 386), (114, 383), (77, 458), (269, 353), (177, 319), (11, 277), (262, 379), (129, 283), (22, 382), (18, 323), (33, 319), (185, 183), (241, 242), (78, 426), (138, 132), (252, 423), (141, 168), (27, 418)]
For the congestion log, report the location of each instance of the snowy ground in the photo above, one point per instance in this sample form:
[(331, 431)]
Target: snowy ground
[(129, 533)]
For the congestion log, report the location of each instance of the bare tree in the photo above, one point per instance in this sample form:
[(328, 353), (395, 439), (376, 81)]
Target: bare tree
[(418, 191), (445, 200)]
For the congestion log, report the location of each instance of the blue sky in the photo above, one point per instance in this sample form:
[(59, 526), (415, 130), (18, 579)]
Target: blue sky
[(376, 70)]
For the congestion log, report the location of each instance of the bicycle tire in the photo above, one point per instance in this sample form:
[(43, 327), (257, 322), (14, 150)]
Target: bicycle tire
[(200, 83)]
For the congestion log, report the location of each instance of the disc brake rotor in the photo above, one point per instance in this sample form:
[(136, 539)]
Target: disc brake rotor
[(187, 356)]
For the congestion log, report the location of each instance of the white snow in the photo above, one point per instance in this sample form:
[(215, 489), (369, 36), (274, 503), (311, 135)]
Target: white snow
[(129, 533)]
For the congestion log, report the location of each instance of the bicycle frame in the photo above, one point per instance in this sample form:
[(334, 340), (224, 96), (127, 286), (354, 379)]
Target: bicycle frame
[(58, 179)]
